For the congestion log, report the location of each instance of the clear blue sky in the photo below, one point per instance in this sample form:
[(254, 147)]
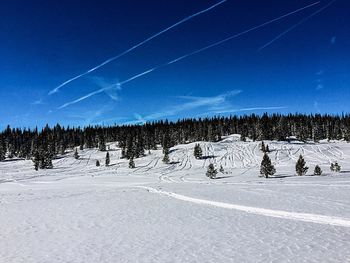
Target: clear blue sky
[(44, 43)]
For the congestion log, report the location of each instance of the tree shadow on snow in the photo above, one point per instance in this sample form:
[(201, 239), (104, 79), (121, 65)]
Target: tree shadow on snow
[(13, 160), (280, 176), (208, 157), (222, 177)]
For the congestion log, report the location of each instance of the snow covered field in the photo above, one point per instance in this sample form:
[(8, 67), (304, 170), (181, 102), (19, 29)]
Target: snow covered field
[(78, 212)]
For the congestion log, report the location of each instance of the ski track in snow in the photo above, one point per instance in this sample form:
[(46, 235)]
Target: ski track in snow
[(305, 217)]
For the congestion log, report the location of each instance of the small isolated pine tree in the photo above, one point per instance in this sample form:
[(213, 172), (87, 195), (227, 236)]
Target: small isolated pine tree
[(166, 156), (107, 159), (221, 169), (97, 163), (335, 167), (266, 167), (131, 163), (211, 172), (197, 151), (318, 170), (76, 154), (300, 167), (264, 147)]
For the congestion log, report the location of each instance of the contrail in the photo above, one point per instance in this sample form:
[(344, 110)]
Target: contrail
[(191, 54), (83, 98), (136, 46), (296, 25)]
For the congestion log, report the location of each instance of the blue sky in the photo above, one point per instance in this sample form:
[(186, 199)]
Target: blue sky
[(45, 43)]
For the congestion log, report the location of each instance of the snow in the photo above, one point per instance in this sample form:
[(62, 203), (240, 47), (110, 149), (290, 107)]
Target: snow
[(78, 212)]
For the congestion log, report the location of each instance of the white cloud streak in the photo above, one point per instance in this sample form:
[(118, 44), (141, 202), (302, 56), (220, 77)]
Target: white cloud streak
[(191, 104), (246, 109), (193, 53), (55, 90)]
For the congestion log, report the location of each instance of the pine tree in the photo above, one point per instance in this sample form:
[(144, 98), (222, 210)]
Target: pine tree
[(264, 147), (130, 148), (221, 169), (107, 159), (335, 167), (36, 160), (131, 163), (318, 170), (123, 153), (2, 152), (97, 163), (300, 167), (76, 154), (332, 167), (211, 172), (62, 147), (166, 156), (266, 167), (197, 151), (101, 143), (48, 160)]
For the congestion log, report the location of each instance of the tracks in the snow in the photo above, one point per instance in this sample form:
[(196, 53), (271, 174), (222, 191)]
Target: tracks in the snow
[(305, 217)]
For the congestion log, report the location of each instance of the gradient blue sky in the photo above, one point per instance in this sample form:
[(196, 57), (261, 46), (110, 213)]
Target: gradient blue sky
[(44, 43)]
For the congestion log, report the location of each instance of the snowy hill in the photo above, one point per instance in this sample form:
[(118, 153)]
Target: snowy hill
[(78, 212)]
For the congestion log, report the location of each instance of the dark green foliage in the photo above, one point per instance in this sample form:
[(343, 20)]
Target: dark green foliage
[(42, 159), (166, 156), (335, 167), (107, 159), (36, 160), (300, 166), (264, 147), (266, 167), (318, 170), (221, 169), (131, 163), (76, 154), (101, 143), (211, 172), (98, 163), (123, 153), (197, 151), (2, 151)]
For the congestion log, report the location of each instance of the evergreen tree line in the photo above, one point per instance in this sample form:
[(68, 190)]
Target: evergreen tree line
[(43, 145)]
